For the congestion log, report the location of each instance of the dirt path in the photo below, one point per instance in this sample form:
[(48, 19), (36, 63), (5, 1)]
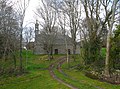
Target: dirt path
[(53, 65), (57, 65)]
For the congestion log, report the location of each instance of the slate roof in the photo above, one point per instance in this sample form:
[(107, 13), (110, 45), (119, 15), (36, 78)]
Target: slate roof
[(59, 39)]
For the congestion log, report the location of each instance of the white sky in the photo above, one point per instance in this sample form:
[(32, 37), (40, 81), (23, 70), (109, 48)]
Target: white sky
[(30, 16)]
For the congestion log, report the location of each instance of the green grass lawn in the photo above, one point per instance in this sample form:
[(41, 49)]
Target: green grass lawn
[(78, 79), (37, 76), (70, 79), (74, 82), (38, 79)]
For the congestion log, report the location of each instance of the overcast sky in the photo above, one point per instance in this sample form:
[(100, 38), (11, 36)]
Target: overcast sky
[(30, 15)]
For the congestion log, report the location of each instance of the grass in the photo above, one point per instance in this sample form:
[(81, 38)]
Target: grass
[(72, 63), (78, 79), (30, 61), (70, 79), (37, 77), (103, 52), (79, 76), (74, 82), (37, 80)]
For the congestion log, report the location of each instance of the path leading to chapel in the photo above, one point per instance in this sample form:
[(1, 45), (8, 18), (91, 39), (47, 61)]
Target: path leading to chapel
[(57, 65)]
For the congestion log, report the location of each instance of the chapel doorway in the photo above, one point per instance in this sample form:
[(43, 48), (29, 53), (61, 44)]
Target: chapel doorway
[(69, 51), (56, 51)]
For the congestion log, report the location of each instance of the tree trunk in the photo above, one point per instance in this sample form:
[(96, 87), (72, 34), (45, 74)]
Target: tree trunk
[(49, 56), (67, 52), (74, 51), (66, 45), (107, 56), (14, 58), (21, 68), (51, 53), (108, 39), (26, 58)]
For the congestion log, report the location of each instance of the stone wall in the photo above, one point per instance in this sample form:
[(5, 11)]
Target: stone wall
[(60, 47)]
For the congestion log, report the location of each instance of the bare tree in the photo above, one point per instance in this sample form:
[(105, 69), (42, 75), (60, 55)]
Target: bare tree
[(71, 9), (21, 9), (110, 27), (28, 37), (48, 16), (97, 21), (9, 30), (47, 41), (28, 34), (62, 23)]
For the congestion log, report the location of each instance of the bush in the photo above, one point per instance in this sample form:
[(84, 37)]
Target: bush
[(91, 75), (115, 49)]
